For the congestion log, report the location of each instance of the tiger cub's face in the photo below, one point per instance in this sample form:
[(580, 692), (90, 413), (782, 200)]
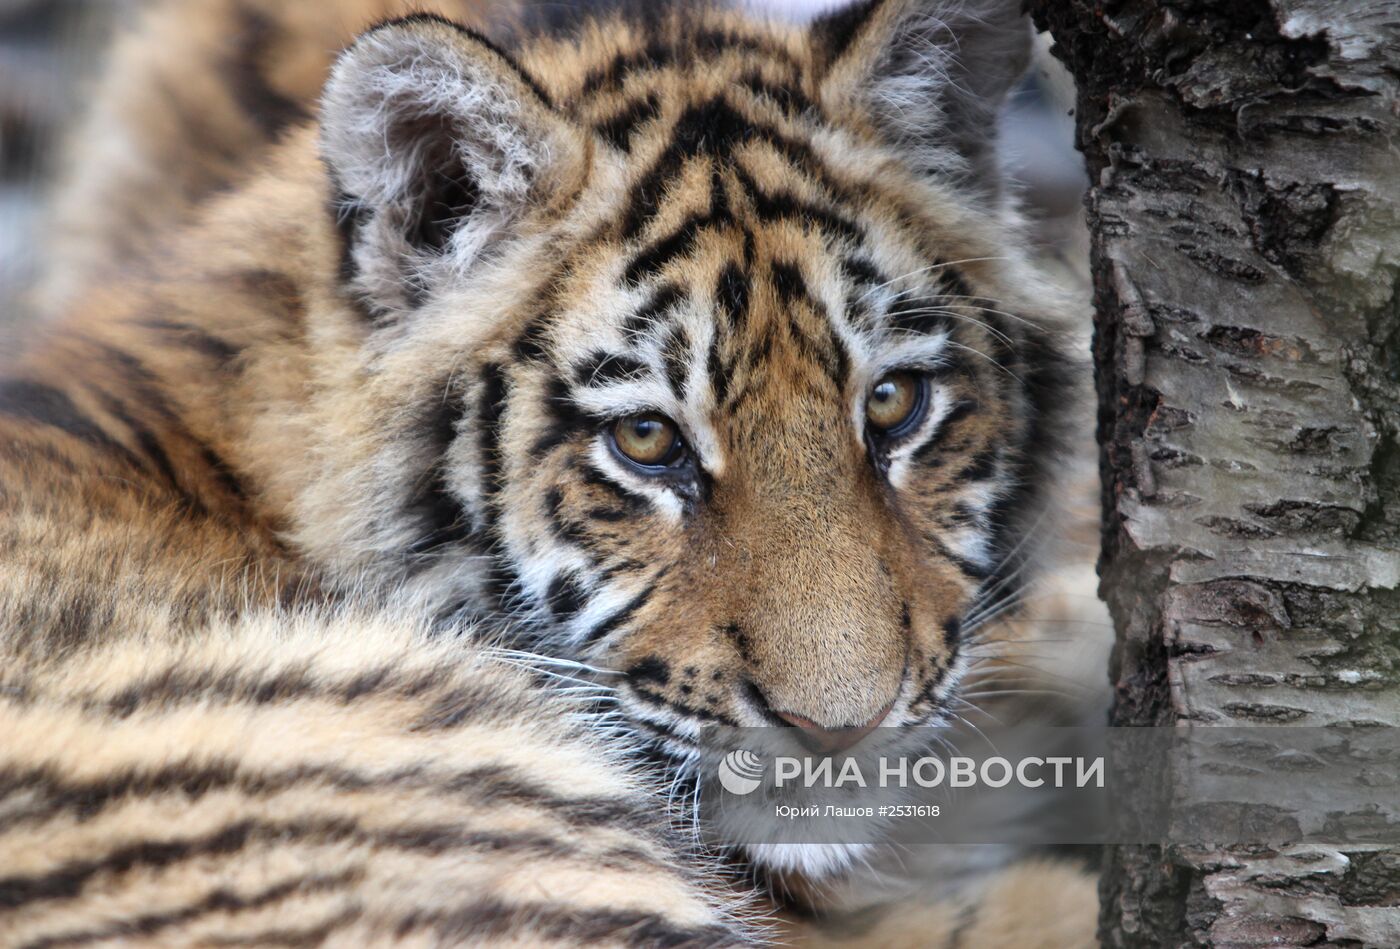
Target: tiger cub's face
[(701, 333)]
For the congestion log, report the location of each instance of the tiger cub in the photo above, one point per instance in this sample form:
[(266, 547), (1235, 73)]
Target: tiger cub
[(689, 357)]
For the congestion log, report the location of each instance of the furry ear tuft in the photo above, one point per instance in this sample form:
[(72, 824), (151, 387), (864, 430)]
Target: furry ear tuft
[(437, 144), (931, 75)]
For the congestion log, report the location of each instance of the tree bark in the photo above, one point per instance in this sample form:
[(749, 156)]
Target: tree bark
[(1245, 222)]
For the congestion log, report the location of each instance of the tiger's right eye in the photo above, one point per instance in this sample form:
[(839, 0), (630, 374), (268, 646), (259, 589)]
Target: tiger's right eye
[(896, 403), (650, 440)]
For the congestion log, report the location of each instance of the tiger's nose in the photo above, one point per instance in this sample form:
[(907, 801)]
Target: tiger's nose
[(828, 741)]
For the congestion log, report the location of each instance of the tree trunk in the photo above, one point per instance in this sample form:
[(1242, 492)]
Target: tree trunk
[(1245, 222)]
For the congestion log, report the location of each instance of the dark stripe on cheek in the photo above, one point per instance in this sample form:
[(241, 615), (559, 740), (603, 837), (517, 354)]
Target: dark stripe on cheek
[(950, 278), (863, 272), (952, 630), (982, 466), (443, 517), (566, 597), (566, 420), (617, 619), (596, 478), (490, 415)]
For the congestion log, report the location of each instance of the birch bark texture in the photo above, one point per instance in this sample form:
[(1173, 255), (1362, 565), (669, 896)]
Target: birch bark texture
[(1244, 213)]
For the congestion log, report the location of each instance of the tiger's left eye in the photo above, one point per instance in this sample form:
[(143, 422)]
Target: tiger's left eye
[(652, 441), (896, 403)]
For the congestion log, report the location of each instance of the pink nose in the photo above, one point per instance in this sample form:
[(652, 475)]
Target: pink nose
[(830, 740)]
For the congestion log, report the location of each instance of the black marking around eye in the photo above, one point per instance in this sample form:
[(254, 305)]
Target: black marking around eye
[(926, 453)]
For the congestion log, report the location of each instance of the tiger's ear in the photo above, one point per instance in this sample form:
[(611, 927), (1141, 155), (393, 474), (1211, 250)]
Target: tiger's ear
[(437, 145), (930, 75)]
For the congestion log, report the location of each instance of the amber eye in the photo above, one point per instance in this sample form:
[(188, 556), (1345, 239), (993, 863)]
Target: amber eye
[(896, 402), (648, 440)]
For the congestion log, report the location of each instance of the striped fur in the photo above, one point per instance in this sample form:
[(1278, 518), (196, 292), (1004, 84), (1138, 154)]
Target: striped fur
[(367, 354), (324, 780)]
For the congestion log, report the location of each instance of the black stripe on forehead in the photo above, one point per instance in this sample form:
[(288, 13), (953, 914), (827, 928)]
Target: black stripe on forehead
[(618, 128), (604, 368), (714, 129), (771, 207), (695, 45), (654, 312), (825, 349)]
